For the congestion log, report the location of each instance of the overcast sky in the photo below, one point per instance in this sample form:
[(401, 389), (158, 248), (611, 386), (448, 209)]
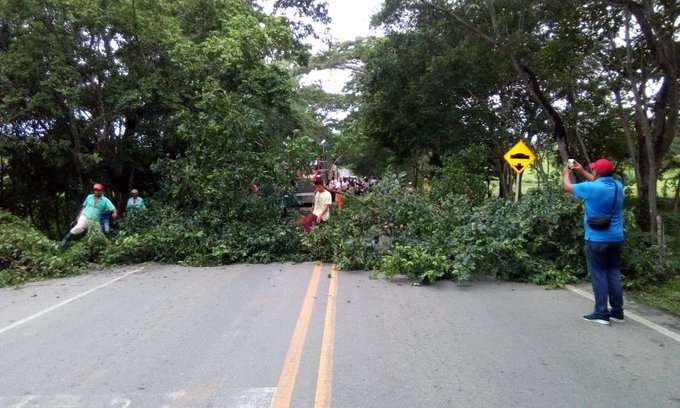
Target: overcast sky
[(350, 19)]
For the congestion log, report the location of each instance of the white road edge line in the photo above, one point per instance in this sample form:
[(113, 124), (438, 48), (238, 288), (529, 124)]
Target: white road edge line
[(632, 316), (66, 302), (25, 400)]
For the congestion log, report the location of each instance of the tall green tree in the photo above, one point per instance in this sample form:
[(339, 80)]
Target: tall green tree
[(566, 58), (102, 90), (651, 58)]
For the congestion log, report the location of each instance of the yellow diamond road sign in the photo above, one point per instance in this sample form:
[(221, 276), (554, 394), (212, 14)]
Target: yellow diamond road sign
[(519, 157)]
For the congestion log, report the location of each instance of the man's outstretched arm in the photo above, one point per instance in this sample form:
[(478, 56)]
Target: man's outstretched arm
[(566, 179)]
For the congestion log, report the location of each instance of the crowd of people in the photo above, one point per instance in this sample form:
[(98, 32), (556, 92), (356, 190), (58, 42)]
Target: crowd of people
[(352, 184), (329, 188)]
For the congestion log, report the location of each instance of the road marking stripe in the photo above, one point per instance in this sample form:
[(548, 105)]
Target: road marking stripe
[(253, 398), (25, 400), (226, 397), (284, 388), (324, 381), (66, 302), (632, 316)]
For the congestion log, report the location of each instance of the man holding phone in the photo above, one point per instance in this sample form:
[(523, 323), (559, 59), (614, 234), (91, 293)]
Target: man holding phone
[(603, 224)]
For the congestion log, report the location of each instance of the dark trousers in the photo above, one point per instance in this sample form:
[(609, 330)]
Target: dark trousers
[(604, 268)]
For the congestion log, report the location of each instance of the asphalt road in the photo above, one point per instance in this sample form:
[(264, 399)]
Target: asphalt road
[(280, 336)]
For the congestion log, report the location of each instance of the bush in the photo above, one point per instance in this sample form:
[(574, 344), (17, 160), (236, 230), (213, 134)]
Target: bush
[(428, 237), (423, 236), (464, 174), (416, 263), (26, 254), (164, 234)]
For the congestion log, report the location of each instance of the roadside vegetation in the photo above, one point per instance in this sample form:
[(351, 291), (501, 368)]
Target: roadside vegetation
[(191, 102), (664, 295), (426, 236)]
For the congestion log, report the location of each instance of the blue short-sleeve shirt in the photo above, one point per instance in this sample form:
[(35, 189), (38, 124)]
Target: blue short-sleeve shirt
[(598, 196), (93, 207), (135, 203)]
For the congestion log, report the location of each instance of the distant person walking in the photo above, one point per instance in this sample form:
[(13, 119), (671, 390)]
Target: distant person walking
[(603, 223), (91, 213), (426, 184), (135, 201), (335, 186), (322, 207)]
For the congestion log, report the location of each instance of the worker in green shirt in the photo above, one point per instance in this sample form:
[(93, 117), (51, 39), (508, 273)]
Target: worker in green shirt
[(91, 212)]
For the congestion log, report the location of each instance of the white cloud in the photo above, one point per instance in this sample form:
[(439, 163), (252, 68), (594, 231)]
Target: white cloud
[(349, 19), (352, 18), (331, 80)]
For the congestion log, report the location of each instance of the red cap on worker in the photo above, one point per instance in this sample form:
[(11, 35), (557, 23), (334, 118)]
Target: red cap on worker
[(602, 166), (98, 186)]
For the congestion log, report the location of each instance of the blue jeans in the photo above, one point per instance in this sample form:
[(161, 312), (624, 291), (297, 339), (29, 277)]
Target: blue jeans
[(604, 268), (105, 221)]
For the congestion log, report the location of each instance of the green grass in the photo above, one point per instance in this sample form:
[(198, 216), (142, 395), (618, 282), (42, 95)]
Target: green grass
[(664, 296)]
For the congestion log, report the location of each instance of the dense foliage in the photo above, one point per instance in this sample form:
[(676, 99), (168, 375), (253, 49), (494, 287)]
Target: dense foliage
[(27, 254), (428, 237), (556, 73), (424, 236), (192, 101), (125, 92)]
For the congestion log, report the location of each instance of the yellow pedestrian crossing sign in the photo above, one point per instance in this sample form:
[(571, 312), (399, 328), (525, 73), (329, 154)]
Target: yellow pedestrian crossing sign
[(519, 157)]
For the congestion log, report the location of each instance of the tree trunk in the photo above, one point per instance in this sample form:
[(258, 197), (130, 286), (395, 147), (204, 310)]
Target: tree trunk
[(504, 187), (488, 186), (2, 180), (648, 172), (572, 119), (629, 139), (538, 95), (676, 205), (540, 172), (643, 210), (529, 77), (57, 218), (76, 145), (656, 135), (131, 180)]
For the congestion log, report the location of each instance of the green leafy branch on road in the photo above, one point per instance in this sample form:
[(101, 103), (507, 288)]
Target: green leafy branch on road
[(424, 236)]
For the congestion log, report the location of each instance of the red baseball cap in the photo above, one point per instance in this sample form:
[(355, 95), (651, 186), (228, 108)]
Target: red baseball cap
[(602, 166), (97, 186)]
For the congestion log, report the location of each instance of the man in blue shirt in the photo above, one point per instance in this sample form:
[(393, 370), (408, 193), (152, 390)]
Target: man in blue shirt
[(603, 199), (135, 202)]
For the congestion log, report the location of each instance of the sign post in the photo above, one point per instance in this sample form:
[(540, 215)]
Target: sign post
[(519, 157)]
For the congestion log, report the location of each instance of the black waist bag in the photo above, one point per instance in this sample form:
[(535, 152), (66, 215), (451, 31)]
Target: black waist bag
[(602, 222)]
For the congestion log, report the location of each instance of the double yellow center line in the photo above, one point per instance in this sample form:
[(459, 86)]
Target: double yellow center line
[(286, 384), (324, 380)]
